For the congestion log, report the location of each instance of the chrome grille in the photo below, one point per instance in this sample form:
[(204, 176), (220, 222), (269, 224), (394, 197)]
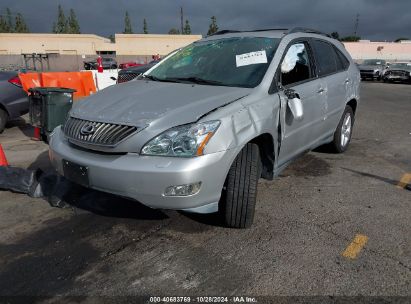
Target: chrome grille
[(126, 77), (104, 134), (398, 73)]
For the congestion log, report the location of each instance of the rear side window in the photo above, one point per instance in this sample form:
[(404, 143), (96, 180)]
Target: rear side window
[(342, 62), (325, 57)]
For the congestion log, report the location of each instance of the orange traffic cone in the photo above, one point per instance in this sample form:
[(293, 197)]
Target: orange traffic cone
[(3, 159), (37, 134)]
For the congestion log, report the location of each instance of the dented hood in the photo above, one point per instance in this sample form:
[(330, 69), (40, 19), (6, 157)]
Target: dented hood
[(370, 67), (142, 102)]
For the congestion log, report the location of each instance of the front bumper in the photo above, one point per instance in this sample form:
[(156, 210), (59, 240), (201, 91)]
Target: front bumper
[(370, 74), (395, 78), (145, 178)]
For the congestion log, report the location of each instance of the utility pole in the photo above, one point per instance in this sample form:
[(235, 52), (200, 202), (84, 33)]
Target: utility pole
[(182, 20), (357, 21)]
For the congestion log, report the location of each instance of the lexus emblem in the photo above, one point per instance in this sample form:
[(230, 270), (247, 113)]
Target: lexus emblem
[(87, 129)]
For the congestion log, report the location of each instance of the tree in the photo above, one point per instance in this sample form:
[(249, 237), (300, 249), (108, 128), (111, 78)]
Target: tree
[(335, 35), (213, 28), (73, 26), (173, 31), (127, 25), (60, 27), (351, 39), (187, 28), (112, 38), (20, 24), (145, 27), (3, 25), (9, 22)]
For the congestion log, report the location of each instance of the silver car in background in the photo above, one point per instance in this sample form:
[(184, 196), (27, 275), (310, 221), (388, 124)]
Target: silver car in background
[(398, 72), (199, 129), (373, 69)]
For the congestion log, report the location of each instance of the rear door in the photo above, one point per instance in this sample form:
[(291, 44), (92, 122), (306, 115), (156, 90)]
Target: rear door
[(333, 72), (297, 73)]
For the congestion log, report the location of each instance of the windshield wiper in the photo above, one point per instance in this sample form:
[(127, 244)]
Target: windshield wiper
[(154, 78), (194, 79)]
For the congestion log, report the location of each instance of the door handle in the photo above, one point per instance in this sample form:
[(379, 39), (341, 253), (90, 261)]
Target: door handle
[(347, 81), (321, 90)]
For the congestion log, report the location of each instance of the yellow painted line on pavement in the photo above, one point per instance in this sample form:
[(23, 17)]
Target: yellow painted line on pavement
[(404, 181), (355, 246)]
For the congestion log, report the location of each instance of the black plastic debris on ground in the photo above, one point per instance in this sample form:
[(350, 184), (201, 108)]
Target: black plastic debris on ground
[(20, 180), (35, 183)]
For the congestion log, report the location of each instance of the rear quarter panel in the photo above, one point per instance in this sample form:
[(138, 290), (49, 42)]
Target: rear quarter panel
[(13, 99)]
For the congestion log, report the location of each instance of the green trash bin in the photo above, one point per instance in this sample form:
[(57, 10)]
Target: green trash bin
[(49, 107)]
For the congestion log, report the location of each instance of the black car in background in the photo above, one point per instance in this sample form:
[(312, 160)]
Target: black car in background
[(14, 101), (108, 63), (398, 72), (132, 72)]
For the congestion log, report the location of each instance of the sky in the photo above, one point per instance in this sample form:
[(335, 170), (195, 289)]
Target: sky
[(379, 20)]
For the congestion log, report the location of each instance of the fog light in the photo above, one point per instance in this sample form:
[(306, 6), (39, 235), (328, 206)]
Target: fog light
[(183, 190)]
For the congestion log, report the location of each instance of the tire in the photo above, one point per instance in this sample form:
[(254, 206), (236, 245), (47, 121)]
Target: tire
[(3, 119), (343, 133), (237, 204)]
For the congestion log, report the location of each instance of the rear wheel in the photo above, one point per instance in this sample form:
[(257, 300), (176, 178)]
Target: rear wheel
[(238, 200), (342, 135), (3, 119)]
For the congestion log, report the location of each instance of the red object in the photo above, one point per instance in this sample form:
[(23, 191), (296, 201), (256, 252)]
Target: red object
[(3, 159), (99, 64), (37, 135), (125, 65), (16, 81)]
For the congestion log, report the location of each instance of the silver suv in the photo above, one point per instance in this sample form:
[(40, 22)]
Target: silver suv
[(198, 130)]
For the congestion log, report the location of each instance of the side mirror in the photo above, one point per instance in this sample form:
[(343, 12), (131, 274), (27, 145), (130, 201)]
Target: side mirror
[(295, 104)]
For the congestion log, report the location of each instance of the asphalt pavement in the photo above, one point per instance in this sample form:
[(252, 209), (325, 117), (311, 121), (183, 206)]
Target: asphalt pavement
[(331, 224)]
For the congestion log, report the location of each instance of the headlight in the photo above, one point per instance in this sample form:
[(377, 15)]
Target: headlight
[(183, 141)]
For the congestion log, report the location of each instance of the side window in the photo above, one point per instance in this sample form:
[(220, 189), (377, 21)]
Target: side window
[(325, 57), (295, 66), (343, 63)]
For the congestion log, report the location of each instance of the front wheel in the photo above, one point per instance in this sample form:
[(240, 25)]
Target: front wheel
[(238, 199), (342, 135)]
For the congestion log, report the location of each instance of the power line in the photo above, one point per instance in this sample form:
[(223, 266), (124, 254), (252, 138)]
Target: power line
[(357, 21), (182, 19)]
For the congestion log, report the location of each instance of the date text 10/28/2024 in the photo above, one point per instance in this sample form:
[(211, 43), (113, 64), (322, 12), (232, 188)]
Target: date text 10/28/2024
[(205, 299)]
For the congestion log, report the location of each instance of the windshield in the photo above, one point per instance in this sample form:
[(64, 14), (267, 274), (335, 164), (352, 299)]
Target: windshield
[(401, 66), (239, 61), (374, 62)]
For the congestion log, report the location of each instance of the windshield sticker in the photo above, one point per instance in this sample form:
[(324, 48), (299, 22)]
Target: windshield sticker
[(251, 58)]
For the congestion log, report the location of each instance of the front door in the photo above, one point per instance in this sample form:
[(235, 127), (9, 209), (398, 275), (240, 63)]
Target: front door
[(297, 75)]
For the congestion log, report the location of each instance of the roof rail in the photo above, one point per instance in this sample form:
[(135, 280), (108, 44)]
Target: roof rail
[(222, 32), (306, 30)]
